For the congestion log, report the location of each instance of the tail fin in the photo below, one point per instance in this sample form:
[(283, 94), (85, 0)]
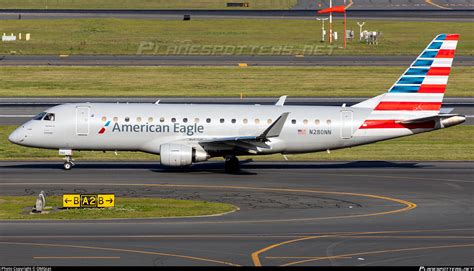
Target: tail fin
[(419, 91)]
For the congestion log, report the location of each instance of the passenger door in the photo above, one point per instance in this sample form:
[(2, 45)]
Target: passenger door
[(82, 120), (346, 124)]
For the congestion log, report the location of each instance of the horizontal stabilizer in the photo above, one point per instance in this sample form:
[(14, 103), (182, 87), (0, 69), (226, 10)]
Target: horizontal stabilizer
[(445, 119)]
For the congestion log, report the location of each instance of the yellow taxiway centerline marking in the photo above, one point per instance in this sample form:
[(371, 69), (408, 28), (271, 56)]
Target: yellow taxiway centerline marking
[(257, 262), (74, 257), (430, 2), (398, 177), (123, 250), (312, 259), (303, 257), (293, 235)]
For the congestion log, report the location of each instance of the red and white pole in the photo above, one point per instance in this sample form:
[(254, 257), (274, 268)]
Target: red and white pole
[(345, 32), (330, 22), (345, 26)]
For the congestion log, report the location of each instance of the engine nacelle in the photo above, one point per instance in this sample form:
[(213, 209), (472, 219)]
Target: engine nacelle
[(177, 155)]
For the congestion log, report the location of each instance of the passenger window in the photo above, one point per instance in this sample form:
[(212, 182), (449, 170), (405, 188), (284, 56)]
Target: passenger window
[(328, 122), (150, 119), (104, 118), (173, 119), (222, 120), (127, 119), (245, 121), (115, 119), (305, 122), (139, 119), (269, 121), (208, 120), (185, 120), (257, 121), (196, 120), (316, 122), (49, 117), (162, 119), (233, 120), (39, 116), (293, 121)]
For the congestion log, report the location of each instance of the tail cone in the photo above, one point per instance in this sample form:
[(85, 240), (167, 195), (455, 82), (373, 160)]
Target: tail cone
[(454, 120)]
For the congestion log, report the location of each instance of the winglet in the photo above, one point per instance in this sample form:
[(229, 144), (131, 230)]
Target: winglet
[(281, 101), (275, 128)]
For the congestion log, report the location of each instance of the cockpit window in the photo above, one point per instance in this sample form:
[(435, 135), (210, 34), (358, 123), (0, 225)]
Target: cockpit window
[(49, 117), (39, 116)]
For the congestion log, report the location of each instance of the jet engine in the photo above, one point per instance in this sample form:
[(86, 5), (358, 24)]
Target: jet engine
[(178, 155)]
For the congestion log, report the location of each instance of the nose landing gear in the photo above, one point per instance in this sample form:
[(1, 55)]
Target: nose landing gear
[(68, 157), (69, 162)]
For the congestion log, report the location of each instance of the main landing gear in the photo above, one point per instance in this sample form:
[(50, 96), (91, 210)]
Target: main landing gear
[(232, 164)]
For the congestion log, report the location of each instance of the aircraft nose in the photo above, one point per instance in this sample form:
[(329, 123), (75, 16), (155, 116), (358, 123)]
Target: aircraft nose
[(16, 136)]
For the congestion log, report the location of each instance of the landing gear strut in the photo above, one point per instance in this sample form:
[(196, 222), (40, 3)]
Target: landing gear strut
[(232, 164), (69, 162)]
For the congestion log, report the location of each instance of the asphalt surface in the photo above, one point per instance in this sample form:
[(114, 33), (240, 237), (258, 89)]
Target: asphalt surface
[(230, 60), (15, 111), (409, 13), (291, 213)]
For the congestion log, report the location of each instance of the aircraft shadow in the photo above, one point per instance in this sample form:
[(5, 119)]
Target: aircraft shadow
[(218, 167)]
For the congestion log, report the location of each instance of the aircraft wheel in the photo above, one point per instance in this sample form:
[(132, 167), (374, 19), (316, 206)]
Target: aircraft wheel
[(67, 165), (232, 165)]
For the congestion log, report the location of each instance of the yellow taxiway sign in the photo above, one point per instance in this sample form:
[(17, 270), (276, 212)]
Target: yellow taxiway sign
[(88, 200)]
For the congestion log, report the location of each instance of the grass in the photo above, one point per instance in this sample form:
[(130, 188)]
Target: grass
[(143, 4), (453, 143), (18, 207), (211, 81), (124, 36)]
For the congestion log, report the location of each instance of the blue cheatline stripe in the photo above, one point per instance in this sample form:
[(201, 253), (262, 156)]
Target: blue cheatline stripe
[(429, 54), (411, 80), (107, 124), (441, 37), (435, 45), (417, 71), (420, 63), (404, 89)]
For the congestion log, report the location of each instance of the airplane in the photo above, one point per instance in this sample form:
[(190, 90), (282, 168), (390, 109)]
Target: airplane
[(184, 134)]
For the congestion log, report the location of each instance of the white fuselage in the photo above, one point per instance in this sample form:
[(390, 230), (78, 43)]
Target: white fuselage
[(145, 127)]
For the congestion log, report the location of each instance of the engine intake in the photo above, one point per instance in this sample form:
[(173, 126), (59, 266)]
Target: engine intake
[(178, 155)]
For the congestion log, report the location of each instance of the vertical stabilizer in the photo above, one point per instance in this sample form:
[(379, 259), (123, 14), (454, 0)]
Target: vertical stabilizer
[(419, 91)]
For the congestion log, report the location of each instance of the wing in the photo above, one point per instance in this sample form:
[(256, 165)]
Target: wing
[(245, 144)]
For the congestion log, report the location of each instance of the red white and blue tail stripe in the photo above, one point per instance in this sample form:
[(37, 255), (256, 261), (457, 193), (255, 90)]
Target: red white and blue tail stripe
[(418, 92)]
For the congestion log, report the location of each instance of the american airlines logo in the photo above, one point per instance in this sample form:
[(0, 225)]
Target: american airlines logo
[(176, 128), (102, 130)]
